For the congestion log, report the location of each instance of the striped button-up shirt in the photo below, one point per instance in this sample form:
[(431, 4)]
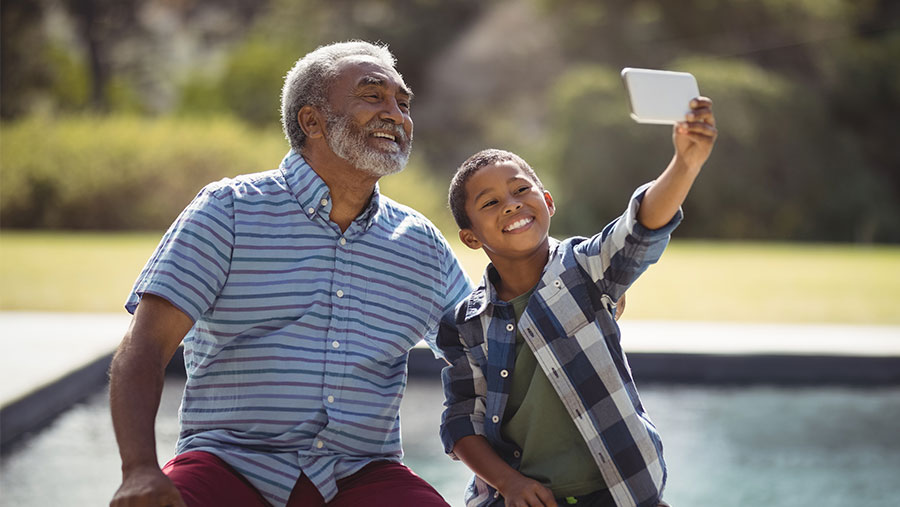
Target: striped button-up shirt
[(296, 363), (569, 323)]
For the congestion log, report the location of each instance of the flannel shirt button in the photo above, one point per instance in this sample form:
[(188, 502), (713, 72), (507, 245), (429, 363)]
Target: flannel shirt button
[(510, 327), (343, 241), (311, 210), (504, 373), (495, 419), (517, 454), (557, 283)]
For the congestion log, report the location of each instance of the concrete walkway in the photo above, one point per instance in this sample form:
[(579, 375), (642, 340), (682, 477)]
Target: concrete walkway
[(48, 361)]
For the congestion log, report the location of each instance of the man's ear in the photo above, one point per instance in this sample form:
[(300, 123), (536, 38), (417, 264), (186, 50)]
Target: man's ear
[(469, 239), (311, 122), (550, 204)]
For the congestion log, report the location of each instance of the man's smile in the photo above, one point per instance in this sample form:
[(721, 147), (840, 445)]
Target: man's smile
[(384, 135)]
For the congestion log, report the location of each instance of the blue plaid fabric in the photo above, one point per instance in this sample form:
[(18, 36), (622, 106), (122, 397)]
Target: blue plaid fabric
[(569, 324)]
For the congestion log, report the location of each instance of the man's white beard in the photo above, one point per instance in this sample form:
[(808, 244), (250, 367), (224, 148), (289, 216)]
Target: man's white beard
[(348, 141)]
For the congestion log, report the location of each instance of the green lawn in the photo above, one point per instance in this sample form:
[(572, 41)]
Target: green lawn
[(695, 280)]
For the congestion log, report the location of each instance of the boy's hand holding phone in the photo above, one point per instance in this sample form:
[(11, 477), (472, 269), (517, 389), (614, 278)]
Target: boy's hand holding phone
[(695, 136)]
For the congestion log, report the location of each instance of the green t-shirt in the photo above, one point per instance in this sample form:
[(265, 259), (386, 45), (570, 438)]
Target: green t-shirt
[(553, 451)]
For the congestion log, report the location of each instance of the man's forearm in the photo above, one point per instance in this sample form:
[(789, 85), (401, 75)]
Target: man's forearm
[(135, 388)]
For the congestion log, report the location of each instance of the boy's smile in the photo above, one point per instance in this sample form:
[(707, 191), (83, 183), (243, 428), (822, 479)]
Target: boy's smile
[(509, 212)]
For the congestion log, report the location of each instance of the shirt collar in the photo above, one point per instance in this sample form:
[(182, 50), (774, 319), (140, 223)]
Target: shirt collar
[(314, 195), (485, 294)]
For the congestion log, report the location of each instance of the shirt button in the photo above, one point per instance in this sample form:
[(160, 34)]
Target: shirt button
[(335, 344), (320, 444), (517, 454), (324, 202), (557, 283), (340, 293), (330, 399), (343, 241), (495, 419), (504, 373), (311, 210), (510, 327)]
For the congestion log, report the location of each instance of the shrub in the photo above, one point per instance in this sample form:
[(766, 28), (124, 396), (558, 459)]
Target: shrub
[(127, 172)]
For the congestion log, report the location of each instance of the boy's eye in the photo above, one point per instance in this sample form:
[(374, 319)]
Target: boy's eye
[(523, 189), (489, 203)]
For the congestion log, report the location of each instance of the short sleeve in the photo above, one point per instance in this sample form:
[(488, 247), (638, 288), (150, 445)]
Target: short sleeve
[(191, 262), (455, 285)]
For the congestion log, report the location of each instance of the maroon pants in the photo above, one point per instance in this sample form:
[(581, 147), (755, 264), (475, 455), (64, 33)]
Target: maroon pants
[(205, 480)]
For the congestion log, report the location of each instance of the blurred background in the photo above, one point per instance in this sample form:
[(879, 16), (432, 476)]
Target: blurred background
[(114, 113)]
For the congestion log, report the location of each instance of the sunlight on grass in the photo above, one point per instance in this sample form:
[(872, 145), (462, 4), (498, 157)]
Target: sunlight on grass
[(71, 271), (695, 280)]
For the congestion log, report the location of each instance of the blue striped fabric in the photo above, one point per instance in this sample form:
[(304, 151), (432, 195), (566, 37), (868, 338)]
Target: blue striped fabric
[(297, 359)]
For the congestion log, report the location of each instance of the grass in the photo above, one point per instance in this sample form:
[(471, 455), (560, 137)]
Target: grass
[(695, 280)]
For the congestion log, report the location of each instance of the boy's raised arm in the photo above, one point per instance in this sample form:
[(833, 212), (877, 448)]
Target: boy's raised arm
[(693, 140)]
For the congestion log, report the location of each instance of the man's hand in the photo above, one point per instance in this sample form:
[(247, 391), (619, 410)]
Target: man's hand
[(522, 491), (694, 137), (147, 487)]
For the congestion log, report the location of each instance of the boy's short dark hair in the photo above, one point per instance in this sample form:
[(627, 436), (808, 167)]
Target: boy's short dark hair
[(457, 195)]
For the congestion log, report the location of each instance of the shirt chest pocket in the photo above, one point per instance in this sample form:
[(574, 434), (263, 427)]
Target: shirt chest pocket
[(392, 313), (561, 302)]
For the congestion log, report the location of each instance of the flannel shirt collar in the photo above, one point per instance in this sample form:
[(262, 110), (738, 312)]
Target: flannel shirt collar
[(485, 294), (314, 195)]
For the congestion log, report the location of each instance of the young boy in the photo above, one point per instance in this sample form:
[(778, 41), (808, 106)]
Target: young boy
[(540, 402)]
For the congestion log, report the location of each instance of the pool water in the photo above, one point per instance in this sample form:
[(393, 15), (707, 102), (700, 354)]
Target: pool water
[(725, 446)]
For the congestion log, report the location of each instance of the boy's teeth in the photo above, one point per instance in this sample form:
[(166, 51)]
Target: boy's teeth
[(518, 223)]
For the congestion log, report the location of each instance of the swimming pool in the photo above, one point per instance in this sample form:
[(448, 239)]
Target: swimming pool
[(725, 446)]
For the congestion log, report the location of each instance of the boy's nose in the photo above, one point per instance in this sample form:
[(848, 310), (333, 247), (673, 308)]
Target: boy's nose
[(512, 207)]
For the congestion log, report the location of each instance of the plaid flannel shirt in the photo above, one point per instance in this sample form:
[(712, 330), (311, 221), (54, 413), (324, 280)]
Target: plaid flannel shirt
[(569, 324)]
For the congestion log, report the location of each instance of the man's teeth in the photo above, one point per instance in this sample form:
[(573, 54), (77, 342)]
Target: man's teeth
[(384, 135), (518, 223)]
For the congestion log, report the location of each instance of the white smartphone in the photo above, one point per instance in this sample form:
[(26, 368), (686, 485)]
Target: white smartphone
[(659, 96)]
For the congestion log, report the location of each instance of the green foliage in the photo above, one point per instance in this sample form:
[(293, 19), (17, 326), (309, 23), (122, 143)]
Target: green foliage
[(252, 81), (70, 87), (762, 181), (127, 172), (120, 172), (248, 87)]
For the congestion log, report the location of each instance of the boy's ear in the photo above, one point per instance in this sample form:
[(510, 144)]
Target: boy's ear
[(550, 204), (469, 239), (311, 122)]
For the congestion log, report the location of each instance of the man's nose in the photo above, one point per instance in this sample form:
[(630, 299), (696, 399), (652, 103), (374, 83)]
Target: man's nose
[(392, 112)]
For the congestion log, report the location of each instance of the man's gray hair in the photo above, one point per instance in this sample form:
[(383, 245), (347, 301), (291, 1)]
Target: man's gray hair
[(308, 82)]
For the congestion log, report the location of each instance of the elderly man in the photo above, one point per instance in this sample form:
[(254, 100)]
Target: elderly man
[(298, 293)]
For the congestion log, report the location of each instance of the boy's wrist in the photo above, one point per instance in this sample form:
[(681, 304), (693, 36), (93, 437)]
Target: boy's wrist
[(679, 163)]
